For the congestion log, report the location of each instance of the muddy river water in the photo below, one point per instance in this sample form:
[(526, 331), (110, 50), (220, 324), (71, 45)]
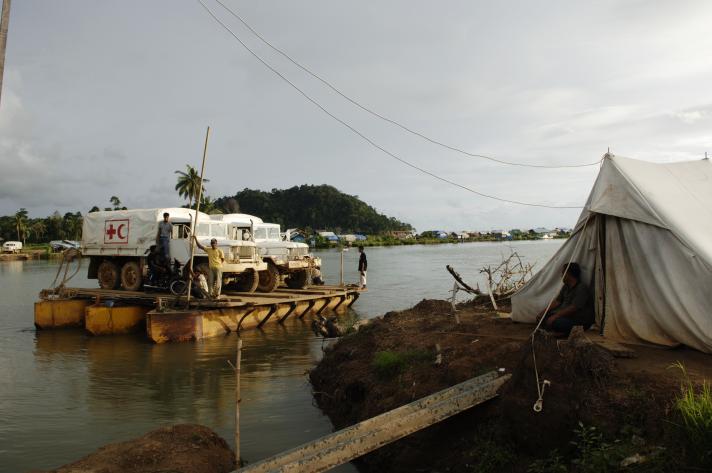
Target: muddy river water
[(63, 393)]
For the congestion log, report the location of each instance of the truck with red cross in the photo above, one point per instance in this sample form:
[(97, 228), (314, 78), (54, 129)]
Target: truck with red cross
[(119, 242)]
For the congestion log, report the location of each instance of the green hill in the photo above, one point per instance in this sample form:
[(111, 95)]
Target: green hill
[(311, 207)]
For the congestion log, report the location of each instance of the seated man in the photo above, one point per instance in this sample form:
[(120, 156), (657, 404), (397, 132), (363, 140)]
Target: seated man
[(573, 306)]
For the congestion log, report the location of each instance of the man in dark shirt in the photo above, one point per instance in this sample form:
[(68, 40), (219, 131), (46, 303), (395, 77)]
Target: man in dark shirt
[(573, 306), (362, 267)]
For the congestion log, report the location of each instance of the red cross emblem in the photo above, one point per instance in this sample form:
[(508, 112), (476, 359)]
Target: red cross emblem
[(116, 232)]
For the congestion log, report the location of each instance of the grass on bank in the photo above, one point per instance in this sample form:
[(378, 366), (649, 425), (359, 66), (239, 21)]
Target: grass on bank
[(695, 409), (391, 363)]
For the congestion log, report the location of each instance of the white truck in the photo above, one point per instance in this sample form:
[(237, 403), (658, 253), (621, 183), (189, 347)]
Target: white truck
[(12, 247), (118, 243), (286, 260)]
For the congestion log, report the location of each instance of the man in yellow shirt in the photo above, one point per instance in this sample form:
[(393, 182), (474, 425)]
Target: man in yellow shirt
[(216, 257)]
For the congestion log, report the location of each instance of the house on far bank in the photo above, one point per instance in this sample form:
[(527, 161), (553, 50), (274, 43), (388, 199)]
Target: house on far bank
[(460, 235), (501, 234), (401, 234), (352, 238), (434, 234), (296, 235), (329, 236)]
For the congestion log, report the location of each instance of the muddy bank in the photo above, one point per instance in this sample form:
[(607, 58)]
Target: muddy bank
[(184, 448), (600, 413)]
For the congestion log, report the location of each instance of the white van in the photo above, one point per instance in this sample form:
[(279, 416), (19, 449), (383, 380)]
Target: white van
[(12, 247)]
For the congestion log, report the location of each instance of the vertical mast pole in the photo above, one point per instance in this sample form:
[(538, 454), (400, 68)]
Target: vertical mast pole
[(4, 20), (197, 211)]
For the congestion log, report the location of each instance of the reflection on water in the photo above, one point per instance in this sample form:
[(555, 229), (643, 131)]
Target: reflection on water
[(67, 393)]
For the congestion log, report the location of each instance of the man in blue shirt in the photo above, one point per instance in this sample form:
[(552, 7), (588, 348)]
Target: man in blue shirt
[(163, 237)]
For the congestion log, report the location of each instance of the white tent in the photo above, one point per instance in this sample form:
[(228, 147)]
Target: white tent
[(644, 243)]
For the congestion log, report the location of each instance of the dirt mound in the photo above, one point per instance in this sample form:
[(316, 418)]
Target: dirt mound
[(391, 362), (430, 306), (180, 448)]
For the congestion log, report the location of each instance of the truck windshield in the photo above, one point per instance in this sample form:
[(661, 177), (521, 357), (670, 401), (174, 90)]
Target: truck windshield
[(260, 233), (274, 234), (218, 230), (203, 230)]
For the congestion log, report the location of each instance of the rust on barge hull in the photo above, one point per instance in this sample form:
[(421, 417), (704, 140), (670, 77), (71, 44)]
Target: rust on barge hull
[(167, 319)]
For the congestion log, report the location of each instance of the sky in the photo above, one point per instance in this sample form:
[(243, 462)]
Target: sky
[(105, 98)]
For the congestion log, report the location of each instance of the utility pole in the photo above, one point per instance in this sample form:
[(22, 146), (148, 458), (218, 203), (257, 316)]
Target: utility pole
[(4, 20)]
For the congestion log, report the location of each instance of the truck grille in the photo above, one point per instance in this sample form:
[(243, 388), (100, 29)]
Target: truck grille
[(243, 252), (298, 252)]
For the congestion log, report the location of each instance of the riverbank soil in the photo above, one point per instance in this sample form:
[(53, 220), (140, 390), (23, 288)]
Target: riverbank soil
[(600, 412), (181, 448)]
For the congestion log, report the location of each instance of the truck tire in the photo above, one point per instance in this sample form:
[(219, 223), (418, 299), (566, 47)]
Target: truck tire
[(131, 276), (298, 279), (108, 275), (268, 279), (247, 281)]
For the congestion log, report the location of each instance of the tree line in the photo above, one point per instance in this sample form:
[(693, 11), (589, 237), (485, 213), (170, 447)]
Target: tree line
[(308, 207)]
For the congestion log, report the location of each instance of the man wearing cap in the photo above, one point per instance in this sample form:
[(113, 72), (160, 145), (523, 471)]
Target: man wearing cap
[(163, 237), (216, 257)]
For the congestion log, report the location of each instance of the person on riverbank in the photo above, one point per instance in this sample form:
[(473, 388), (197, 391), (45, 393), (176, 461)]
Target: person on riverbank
[(573, 306), (216, 257), (362, 267), (163, 237)]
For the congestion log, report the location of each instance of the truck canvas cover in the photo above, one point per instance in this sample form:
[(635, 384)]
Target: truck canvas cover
[(129, 229)]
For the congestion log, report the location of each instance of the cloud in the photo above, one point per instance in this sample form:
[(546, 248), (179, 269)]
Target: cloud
[(114, 97)]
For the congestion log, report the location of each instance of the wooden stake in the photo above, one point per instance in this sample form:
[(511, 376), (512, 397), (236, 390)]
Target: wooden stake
[(237, 402)]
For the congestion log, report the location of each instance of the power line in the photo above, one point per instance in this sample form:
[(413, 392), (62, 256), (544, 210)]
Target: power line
[(384, 118), (364, 137)]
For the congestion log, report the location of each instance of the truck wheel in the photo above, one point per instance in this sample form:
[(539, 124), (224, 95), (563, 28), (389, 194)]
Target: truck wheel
[(269, 279), (131, 276), (298, 279), (108, 275), (247, 281)]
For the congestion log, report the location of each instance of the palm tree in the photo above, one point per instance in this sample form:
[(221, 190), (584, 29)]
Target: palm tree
[(209, 206), (21, 225), (39, 229), (188, 185)]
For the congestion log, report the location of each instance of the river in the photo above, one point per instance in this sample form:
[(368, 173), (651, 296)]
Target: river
[(64, 393)]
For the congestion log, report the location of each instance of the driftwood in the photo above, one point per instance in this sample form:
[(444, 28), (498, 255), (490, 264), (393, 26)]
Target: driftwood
[(464, 286), (507, 278)]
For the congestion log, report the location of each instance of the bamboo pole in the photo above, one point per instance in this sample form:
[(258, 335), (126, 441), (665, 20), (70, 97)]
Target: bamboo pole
[(197, 211), (238, 462), (4, 22)]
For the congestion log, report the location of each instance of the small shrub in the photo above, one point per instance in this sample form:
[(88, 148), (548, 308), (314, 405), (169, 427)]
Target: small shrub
[(554, 463), (493, 457), (595, 455)]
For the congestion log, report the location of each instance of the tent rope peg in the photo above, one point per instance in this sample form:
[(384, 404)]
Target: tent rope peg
[(539, 404)]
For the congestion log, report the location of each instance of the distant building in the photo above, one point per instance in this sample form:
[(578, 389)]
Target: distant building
[(460, 235), (330, 236), (401, 234)]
